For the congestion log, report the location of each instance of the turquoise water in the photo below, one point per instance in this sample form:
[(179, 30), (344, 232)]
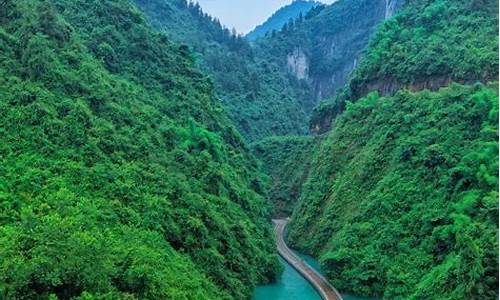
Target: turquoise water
[(292, 286)]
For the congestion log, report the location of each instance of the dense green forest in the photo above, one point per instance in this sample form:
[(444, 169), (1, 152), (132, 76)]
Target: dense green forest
[(325, 44), (431, 43), (145, 147), (288, 13), (286, 160), (428, 45), (121, 177), (401, 200), (261, 97)]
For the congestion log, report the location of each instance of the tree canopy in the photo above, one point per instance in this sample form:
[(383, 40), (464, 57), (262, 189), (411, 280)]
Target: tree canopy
[(121, 177)]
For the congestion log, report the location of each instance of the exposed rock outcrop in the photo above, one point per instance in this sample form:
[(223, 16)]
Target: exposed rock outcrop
[(388, 86), (391, 7), (336, 36), (298, 64)]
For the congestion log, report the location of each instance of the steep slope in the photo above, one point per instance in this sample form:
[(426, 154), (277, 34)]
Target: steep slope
[(430, 45), (287, 161), (402, 196), (295, 10), (260, 96), (120, 175), (426, 46), (322, 49)]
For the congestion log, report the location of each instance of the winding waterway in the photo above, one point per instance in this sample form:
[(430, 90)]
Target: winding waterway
[(292, 286)]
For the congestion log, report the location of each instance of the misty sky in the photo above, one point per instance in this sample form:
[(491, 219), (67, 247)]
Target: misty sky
[(243, 15)]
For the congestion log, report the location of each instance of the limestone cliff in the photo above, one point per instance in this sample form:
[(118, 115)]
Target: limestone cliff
[(324, 48), (298, 64), (391, 6)]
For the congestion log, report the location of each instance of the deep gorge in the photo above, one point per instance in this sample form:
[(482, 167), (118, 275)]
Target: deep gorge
[(145, 148)]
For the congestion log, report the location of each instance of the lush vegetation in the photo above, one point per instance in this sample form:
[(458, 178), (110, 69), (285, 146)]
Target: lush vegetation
[(120, 175), (402, 201), (331, 38), (427, 45), (287, 161), (295, 10), (402, 196), (430, 44), (261, 98)]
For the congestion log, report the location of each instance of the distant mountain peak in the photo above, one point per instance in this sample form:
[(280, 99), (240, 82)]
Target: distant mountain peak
[(281, 17)]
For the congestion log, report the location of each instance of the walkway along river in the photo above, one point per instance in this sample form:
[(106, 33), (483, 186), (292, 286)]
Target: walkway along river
[(292, 284), (324, 288)]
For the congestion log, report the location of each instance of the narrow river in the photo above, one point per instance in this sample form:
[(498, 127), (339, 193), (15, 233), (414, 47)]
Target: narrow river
[(292, 286)]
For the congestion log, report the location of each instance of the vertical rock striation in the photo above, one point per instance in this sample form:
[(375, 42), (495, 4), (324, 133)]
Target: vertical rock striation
[(298, 64)]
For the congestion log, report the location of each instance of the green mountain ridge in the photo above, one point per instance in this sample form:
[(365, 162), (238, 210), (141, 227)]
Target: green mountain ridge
[(121, 175), (427, 46), (292, 11), (261, 98), (322, 49), (145, 148), (401, 199)]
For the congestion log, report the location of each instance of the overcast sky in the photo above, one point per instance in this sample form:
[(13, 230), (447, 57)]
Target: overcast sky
[(243, 15)]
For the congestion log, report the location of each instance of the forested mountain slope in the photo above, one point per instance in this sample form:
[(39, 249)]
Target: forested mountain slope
[(324, 47), (429, 45), (261, 98), (120, 175), (402, 196), (294, 10), (287, 161), (426, 46)]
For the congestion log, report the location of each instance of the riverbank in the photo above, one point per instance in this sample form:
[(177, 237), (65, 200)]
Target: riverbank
[(293, 285)]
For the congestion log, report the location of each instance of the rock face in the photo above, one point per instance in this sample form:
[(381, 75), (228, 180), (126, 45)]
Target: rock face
[(323, 115), (388, 87), (335, 37), (298, 64), (391, 6)]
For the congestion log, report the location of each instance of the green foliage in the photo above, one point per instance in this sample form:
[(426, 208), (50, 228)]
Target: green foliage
[(331, 38), (429, 44), (287, 161), (120, 175), (258, 94), (294, 11), (402, 197)]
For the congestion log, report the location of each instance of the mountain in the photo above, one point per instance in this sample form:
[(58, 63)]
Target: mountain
[(261, 98), (322, 49), (401, 198), (270, 87), (292, 11), (287, 161), (427, 60), (145, 148), (121, 175)]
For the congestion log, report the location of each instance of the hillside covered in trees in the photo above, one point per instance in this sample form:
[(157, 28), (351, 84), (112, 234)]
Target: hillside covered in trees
[(121, 177), (259, 95), (401, 201), (270, 87), (291, 12), (286, 160), (322, 48), (145, 148)]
